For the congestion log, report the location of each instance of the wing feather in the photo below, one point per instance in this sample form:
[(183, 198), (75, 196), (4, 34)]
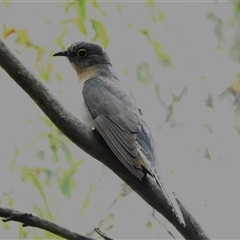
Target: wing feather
[(110, 136), (117, 119)]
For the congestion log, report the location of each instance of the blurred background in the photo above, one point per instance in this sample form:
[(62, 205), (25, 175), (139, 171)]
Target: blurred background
[(179, 60)]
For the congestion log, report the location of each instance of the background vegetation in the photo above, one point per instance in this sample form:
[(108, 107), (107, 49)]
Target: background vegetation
[(179, 60)]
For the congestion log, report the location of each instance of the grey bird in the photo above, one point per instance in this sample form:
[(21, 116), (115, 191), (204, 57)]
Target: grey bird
[(107, 108)]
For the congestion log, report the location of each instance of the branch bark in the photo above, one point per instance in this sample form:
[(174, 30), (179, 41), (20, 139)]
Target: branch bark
[(93, 144), (33, 221)]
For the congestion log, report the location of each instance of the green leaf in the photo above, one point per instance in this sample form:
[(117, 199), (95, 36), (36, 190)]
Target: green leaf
[(145, 32), (46, 70), (236, 9), (40, 53), (12, 163), (144, 74), (237, 117), (149, 225), (59, 38), (87, 200), (7, 31), (48, 173), (161, 54), (54, 142), (49, 235), (100, 33), (30, 175), (95, 5), (23, 39), (40, 155), (81, 16), (23, 232), (66, 182), (47, 121), (156, 14), (158, 49), (6, 3), (67, 6), (38, 211), (67, 153), (58, 77)]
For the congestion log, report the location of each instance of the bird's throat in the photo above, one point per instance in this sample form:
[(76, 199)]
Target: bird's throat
[(88, 73)]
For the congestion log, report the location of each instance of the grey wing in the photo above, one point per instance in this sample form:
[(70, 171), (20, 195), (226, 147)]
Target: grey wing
[(119, 122), (116, 118)]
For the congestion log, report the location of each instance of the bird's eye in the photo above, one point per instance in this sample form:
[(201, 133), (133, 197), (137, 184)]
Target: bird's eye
[(82, 53)]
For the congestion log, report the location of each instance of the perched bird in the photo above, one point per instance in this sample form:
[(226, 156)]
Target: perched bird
[(107, 108)]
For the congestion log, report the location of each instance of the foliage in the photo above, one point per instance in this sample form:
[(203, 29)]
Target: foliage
[(181, 67)]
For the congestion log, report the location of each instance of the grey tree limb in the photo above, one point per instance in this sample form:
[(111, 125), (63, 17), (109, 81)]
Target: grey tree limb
[(93, 144), (34, 221)]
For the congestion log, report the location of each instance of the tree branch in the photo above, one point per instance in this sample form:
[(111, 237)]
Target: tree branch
[(33, 221), (93, 144)]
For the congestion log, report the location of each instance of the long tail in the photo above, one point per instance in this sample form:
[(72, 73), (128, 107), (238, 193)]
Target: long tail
[(168, 195)]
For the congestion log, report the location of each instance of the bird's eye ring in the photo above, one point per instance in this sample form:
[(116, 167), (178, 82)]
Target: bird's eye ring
[(82, 53)]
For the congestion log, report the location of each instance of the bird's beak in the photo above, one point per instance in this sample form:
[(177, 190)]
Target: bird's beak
[(62, 53)]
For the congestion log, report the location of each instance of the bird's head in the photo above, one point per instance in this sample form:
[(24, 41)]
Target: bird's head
[(86, 58)]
